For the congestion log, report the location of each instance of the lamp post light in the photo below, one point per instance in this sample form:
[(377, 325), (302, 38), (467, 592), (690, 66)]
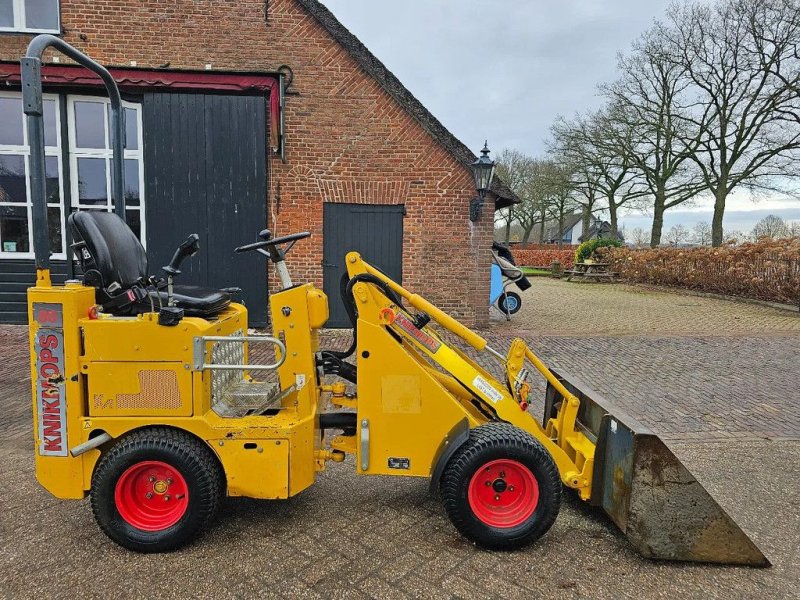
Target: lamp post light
[(483, 171)]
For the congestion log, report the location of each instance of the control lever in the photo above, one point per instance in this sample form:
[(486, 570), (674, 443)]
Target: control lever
[(188, 248)]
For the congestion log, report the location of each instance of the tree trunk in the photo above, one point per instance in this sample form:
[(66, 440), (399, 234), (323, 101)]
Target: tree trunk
[(509, 218), (586, 222), (527, 233), (612, 211), (561, 228), (658, 219), (719, 211), (541, 229)]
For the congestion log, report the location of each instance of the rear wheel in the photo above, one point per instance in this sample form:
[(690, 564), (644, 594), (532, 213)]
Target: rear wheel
[(156, 490), (501, 489), (509, 303)]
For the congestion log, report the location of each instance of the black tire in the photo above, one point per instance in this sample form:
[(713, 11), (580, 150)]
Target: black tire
[(493, 444), (509, 303), (199, 475)]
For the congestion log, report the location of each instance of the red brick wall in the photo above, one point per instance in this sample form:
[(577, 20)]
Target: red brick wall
[(347, 140)]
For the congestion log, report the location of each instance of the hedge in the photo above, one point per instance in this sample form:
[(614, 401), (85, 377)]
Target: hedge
[(544, 258), (765, 270)]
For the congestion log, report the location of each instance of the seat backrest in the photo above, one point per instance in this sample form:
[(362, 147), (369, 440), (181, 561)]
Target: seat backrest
[(104, 243)]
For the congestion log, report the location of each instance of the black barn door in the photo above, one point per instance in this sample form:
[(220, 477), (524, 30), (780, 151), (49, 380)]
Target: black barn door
[(205, 166), (373, 230)]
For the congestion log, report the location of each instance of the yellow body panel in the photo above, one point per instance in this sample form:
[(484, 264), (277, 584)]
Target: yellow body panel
[(248, 463), (120, 389), (57, 385), (406, 410)]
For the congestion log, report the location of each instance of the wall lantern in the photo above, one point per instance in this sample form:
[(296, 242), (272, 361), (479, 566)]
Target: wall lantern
[(483, 170)]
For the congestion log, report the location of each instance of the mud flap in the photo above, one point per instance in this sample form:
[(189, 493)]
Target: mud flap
[(650, 495)]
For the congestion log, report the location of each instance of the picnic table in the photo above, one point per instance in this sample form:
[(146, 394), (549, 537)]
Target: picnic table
[(591, 271)]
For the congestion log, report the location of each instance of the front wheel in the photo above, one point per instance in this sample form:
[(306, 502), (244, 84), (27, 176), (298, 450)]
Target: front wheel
[(156, 490), (509, 303), (501, 489)]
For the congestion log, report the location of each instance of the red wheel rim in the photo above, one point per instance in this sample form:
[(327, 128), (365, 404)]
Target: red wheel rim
[(151, 495), (503, 493)]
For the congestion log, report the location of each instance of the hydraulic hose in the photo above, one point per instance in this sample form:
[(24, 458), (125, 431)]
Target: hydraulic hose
[(346, 289)]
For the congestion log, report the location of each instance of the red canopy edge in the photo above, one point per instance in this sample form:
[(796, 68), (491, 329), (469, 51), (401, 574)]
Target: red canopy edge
[(133, 79)]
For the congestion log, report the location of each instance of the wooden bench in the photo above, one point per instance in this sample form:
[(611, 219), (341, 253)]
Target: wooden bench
[(591, 271)]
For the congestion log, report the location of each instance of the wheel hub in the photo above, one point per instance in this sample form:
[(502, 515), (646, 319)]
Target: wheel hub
[(151, 496), (500, 485), (503, 493)]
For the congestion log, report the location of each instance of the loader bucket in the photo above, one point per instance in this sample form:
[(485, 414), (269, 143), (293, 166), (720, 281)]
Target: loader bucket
[(651, 496)]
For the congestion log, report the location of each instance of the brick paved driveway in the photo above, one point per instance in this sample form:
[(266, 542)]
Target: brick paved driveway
[(718, 379)]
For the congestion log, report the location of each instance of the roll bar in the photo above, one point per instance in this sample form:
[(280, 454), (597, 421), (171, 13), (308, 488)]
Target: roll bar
[(31, 70)]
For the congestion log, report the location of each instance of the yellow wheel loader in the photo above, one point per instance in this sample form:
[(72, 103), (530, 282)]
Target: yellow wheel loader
[(144, 398)]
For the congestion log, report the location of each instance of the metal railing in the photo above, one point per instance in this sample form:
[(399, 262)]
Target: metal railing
[(200, 353)]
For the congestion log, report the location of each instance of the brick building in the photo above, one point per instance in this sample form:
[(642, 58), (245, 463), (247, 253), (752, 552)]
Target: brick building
[(241, 113)]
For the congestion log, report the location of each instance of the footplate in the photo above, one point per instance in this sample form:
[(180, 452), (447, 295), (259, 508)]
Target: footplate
[(245, 398)]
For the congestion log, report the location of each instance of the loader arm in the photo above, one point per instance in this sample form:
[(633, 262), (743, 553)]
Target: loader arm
[(572, 451)]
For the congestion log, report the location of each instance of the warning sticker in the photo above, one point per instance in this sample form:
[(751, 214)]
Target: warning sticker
[(399, 463), (300, 381), (487, 389), (428, 341)]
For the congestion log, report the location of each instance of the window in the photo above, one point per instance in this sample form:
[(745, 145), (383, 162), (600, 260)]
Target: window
[(30, 16), (88, 163), (15, 202), (90, 158)]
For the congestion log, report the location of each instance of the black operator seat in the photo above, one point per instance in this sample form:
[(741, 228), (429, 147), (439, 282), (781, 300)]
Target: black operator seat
[(115, 263)]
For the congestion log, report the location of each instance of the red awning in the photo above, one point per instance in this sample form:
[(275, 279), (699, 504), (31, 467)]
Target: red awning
[(136, 79)]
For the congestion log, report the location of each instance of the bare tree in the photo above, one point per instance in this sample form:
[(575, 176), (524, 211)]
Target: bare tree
[(735, 237), (515, 169), (537, 198), (794, 229), (702, 233), (770, 227), (639, 237), (595, 144), (743, 105), (558, 188), (677, 235), (647, 100)]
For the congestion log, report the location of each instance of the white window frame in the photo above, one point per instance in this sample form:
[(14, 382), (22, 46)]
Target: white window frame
[(74, 153), (25, 152), (18, 10), (105, 153)]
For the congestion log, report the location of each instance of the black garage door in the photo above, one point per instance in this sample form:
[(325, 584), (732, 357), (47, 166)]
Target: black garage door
[(375, 231), (205, 165)]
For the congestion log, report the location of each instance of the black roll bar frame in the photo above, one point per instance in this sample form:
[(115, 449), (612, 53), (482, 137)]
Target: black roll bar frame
[(31, 70)]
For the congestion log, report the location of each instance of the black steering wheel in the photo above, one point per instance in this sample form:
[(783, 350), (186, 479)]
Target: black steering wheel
[(269, 242)]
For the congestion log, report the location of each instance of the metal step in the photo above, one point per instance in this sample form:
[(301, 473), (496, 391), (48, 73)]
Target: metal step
[(244, 398)]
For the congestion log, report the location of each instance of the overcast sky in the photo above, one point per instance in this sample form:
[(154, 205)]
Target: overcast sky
[(502, 70)]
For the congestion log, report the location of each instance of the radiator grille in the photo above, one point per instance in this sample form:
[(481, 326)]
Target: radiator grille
[(159, 389)]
